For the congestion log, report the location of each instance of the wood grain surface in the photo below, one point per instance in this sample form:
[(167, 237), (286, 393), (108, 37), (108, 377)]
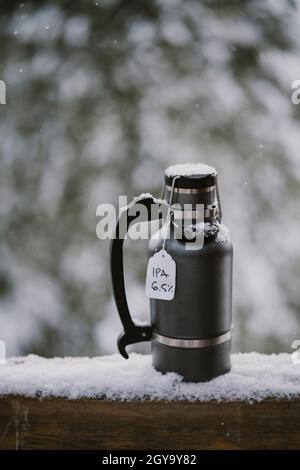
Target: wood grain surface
[(94, 424)]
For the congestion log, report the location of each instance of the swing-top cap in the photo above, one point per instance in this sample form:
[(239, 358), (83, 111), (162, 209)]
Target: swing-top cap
[(191, 176)]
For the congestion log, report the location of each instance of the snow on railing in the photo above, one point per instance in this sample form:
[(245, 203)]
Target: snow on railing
[(254, 377)]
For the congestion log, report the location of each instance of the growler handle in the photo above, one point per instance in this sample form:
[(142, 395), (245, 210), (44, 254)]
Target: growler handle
[(132, 333)]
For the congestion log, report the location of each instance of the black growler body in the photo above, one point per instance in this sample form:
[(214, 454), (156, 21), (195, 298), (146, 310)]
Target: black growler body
[(190, 334), (200, 310)]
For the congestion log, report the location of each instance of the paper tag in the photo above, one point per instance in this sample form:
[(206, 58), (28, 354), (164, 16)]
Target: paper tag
[(161, 276)]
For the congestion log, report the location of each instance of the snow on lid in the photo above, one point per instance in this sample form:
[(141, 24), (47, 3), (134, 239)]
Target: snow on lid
[(190, 169), (253, 377)]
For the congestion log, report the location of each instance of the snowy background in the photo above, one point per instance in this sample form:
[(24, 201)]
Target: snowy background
[(101, 97)]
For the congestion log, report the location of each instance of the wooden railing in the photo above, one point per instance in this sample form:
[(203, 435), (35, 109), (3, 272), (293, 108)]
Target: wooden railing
[(27, 423)]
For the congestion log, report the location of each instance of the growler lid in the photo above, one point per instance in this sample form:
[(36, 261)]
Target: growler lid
[(191, 176)]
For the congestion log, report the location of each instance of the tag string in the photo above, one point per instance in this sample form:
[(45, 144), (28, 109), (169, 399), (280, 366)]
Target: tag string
[(168, 218)]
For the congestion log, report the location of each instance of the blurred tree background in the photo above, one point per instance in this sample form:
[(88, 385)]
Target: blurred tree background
[(101, 97)]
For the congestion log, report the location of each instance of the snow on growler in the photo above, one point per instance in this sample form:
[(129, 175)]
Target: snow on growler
[(189, 278)]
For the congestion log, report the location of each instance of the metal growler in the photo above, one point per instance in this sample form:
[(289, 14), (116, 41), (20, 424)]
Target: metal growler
[(191, 333)]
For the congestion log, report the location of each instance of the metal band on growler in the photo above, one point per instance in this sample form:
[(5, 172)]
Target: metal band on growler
[(191, 320)]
